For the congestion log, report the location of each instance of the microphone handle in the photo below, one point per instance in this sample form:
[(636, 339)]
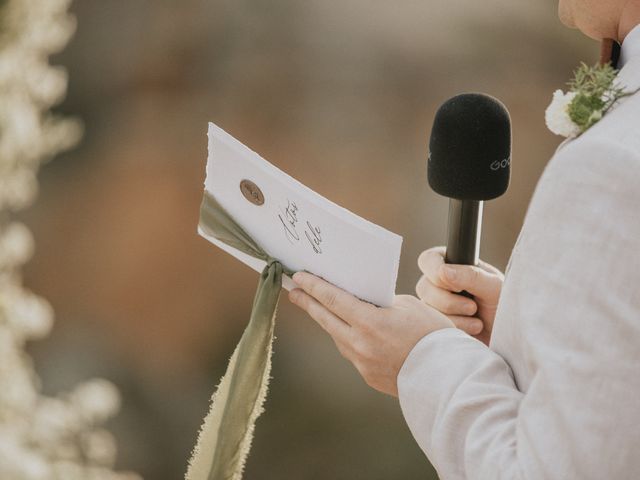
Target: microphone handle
[(463, 236)]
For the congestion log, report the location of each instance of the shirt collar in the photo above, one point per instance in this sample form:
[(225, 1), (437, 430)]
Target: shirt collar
[(630, 47)]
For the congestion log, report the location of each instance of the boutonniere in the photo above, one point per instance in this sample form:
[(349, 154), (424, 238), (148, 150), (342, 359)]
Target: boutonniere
[(592, 92)]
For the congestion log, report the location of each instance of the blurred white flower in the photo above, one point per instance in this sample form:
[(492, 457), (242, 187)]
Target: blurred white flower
[(47, 84), (41, 437), (20, 189), (20, 463), (66, 451), (99, 446), (54, 422), (61, 133), (16, 245), (97, 473), (557, 115), (96, 400), (68, 470), (18, 394), (29, 315)]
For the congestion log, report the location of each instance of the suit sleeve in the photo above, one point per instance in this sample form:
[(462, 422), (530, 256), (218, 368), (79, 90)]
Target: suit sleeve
[(577, 315)]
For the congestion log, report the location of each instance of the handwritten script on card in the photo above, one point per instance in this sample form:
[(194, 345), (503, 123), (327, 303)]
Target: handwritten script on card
[(289, 219), (299, 227)]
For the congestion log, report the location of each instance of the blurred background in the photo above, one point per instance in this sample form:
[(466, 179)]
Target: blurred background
[(340, 95)]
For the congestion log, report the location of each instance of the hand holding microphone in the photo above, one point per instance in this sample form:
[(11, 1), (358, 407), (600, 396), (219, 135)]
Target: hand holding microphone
[(468, 128), (469, 162), (440, 284)]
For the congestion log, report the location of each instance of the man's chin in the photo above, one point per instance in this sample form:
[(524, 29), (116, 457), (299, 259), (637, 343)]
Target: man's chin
[(566, 16)]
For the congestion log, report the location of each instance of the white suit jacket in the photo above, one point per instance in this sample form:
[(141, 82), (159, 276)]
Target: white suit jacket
[(557, 394)]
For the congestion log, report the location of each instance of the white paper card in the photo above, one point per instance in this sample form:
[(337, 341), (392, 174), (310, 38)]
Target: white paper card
[(299, 227)]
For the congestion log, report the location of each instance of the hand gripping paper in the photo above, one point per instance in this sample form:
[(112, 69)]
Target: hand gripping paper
[(277, 226)]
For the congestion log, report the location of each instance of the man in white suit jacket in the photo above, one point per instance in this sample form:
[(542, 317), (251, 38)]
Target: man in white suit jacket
[(556, 393)]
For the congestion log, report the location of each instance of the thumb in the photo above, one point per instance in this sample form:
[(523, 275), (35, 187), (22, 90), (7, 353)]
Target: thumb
[(473, 279)]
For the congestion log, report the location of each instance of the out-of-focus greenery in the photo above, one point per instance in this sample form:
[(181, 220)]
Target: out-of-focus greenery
[(338, 94)]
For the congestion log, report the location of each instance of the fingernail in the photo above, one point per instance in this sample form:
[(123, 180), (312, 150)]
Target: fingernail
[(450, 273), (297, 277), (477, 327), (470, 308)]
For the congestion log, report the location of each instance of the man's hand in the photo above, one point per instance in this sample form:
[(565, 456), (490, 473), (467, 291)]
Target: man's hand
[(439, 282), (376, 340)]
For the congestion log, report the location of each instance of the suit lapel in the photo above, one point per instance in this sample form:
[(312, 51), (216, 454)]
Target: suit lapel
[(629, 76)]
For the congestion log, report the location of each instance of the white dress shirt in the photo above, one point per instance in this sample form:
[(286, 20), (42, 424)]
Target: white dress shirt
[(557, 394)]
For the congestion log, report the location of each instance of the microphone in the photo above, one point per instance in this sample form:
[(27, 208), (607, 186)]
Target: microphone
[(469, 162)]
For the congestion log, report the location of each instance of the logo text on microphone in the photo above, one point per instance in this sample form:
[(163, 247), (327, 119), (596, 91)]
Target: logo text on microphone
[(498, 164)]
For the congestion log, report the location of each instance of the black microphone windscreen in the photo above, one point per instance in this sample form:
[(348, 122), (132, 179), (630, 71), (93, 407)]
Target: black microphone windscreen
[(470, 148)]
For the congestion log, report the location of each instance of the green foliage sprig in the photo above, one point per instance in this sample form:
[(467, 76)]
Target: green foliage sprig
[(595, 93)]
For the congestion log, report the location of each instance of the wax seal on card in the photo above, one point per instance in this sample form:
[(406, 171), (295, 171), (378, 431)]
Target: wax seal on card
[(251, 192)]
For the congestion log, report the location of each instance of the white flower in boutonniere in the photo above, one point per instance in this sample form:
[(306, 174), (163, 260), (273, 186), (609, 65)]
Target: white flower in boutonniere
[(592, 92)]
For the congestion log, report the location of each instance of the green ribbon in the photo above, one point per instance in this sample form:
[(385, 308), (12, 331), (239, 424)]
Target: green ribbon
[(225, 437)]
